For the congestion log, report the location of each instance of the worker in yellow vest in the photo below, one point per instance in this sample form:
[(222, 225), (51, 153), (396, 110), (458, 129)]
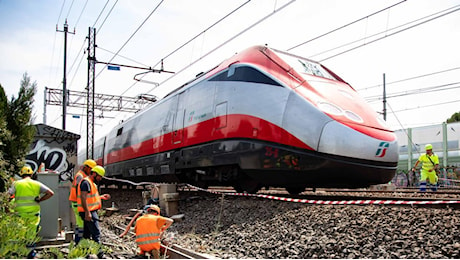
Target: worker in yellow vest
[(149, 229), (85, 170), (430, 167), (27, 194), (89, 201)]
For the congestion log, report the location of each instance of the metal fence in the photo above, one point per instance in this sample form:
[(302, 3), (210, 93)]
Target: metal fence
[(448, 178), (445, 139)]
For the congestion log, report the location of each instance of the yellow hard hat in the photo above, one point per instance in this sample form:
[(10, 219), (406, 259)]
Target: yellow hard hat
[(99, 170), (26, 170), (90, 163), (153, 208), (428, 147)]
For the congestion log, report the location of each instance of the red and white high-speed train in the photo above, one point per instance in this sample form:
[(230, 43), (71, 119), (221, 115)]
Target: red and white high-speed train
[(264, 117)]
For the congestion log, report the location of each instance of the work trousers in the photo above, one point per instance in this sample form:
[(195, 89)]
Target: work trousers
[(91, 229)]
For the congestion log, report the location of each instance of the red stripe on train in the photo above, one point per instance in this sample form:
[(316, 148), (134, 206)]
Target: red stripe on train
[(232, 126)]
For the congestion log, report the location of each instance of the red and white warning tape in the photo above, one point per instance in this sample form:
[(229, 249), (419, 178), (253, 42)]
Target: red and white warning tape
[(322, 202), (337, 202)]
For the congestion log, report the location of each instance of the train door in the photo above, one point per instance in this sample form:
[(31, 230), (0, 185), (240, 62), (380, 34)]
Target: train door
[(178, 125), (221, 115)]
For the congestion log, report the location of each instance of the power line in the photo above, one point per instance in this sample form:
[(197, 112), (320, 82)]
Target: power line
[(81, 13), (225, 42), (103, 22), (344, 26), (411, 78), (70, 8), (132, 35), (391, 34), (60, 12), (190, 40), (121, 56), (425, 106), (379, 33), (100, 13), (437, 88)]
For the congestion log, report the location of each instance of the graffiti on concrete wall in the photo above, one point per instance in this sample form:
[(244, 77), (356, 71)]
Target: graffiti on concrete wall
[(55, 150)]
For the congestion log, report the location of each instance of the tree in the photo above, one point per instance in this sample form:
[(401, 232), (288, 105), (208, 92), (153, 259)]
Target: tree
[(454, 118), (5, 135), (16, 129)]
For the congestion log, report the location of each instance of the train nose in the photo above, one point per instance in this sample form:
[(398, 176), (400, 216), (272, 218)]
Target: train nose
[(375, 144)]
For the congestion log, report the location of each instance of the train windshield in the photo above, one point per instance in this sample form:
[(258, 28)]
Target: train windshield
[(303, 65)]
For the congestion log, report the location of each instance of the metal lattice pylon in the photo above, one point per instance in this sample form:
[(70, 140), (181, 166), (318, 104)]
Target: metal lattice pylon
[(90, 90)]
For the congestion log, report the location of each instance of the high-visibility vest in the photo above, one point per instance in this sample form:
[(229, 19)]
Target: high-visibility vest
[(93, 200), (148, 233), (73, 191), (26, 192), (428, 164)]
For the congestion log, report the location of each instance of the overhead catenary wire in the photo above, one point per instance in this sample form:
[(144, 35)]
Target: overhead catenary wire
[(428, 105), (121, 56), (385, 33), (391, 34), (190, 40), (108, 14), (443, 87), (344, 26), (81, 13), (411, 78), (70, 8), (132, 35), (225, 42), (100, 13)]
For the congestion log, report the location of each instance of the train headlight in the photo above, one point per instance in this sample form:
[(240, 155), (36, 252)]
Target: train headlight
[(335, 110), (330, 108), (353, 116)]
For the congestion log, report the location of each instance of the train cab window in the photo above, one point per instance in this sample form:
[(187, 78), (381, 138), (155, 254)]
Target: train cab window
[(120, 131), (304, 65), (244, 73)]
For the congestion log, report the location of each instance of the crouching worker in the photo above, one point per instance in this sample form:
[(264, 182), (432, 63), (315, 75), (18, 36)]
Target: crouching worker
[(149, 229)]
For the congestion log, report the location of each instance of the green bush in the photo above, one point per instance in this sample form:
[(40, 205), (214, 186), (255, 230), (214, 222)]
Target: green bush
[(15, 234)]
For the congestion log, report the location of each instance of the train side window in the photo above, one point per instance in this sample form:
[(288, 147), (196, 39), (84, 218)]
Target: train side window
[(120, 131), (246, 74)]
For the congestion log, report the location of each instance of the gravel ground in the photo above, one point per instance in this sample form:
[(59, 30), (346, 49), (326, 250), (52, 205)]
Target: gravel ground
[(244, 227)]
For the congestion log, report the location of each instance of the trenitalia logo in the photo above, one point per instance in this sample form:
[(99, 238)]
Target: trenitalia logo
[(383, 146)]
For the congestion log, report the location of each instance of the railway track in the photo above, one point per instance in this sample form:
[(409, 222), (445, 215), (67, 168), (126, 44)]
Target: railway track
[(402, 197), (408, 197), (237, 217)]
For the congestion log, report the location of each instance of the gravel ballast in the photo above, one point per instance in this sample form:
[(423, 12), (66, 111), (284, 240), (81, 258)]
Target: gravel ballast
[(245, 227)]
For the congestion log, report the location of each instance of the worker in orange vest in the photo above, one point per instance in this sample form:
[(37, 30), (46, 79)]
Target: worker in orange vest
[(149, 229), (84, 171), (89, 201)]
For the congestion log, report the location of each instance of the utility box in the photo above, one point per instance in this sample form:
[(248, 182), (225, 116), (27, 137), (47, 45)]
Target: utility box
[(57, 150), (49, 209)]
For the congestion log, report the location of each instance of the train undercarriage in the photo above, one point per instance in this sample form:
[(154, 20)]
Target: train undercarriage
[(248, 166)]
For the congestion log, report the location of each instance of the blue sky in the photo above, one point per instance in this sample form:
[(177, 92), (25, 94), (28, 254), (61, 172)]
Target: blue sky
[(29, 43)]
